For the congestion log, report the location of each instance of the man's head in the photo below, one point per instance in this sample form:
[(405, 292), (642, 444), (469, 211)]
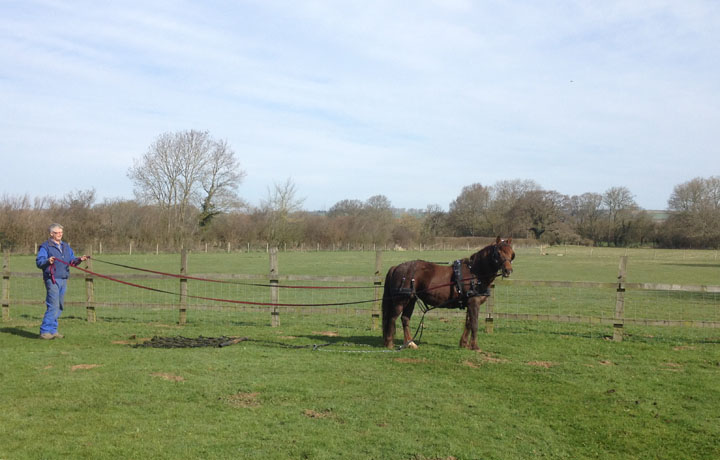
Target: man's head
[(56, 232)]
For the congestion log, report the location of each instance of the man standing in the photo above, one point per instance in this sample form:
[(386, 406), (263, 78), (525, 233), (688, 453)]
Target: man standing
[(55, 276)]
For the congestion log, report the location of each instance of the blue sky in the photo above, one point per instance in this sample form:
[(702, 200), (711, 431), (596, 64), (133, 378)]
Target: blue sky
[(409, 99)]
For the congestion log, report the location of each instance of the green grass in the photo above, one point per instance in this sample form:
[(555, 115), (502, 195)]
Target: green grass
[(537, 389), (531, 392)]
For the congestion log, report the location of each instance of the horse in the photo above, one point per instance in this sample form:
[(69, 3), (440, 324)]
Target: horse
[(466, 284)]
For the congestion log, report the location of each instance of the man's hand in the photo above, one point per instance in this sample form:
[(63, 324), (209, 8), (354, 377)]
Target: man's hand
[(51, 260)]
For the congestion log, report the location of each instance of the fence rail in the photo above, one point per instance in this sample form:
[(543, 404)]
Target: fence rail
[(604, 303)]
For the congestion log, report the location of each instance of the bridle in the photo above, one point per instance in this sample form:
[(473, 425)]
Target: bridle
[(499, 259)]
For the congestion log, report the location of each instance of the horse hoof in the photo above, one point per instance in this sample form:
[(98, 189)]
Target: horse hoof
[(411, 345)]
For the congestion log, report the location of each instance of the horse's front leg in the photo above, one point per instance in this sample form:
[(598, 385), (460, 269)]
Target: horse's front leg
[(471, 323)]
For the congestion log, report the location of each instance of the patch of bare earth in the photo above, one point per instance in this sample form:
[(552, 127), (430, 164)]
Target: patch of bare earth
[(242, 400), (410, 360), (169, 377), (674, 367), (315, 414), (606, 363), (545, 364), (484, 358), (685, 347), (434, 458), (327, 333), (168, 326), (78, 367)]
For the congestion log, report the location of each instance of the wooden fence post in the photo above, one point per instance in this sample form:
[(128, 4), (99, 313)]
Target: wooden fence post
[(378, 286), (183, 287), (489, 309), (90, 291), (6, 286), (274, 286), (619, 320)]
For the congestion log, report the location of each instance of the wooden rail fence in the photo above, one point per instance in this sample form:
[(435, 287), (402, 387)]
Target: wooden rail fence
[(275, 280)]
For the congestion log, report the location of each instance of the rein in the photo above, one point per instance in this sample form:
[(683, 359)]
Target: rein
[(241, 302), (210, 280)]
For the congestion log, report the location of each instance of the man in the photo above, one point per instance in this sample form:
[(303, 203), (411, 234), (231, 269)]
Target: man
[(55, 276)]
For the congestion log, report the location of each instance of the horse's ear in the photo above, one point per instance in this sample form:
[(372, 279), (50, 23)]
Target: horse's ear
[(498, 240), (509, 240)]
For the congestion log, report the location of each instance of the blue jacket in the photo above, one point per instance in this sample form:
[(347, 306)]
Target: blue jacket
[(58, 269)]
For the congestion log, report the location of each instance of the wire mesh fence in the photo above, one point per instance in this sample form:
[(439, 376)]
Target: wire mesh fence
[(346, 299)]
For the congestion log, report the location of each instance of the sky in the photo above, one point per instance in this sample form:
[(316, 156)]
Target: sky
[(411, 99)]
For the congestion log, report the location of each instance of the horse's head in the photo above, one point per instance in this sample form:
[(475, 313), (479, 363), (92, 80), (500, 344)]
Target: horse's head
[(503, 255)]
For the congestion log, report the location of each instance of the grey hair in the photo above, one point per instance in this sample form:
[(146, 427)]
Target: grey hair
[(54, 226)]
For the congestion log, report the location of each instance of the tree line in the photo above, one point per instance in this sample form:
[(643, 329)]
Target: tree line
[(509, 208), (186, 191)]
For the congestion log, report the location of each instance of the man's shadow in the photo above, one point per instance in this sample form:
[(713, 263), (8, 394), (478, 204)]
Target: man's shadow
[(19, 332)]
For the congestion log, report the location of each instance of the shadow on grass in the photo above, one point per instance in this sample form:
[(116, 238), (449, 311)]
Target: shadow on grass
[(632, 336), (19, 332), (375, 342), (319, 341), (681, 264)]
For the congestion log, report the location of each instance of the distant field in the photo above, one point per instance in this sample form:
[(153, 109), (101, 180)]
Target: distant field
[(569, 263), (552, 264)]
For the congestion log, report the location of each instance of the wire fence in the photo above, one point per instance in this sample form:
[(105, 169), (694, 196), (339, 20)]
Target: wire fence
[(342, 300)]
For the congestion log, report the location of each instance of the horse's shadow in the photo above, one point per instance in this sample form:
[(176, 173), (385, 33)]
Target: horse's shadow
[(19, 332), (362, 340), (365, 341), (320, 340)]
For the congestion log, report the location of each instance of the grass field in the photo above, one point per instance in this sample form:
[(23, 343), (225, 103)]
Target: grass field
[(537, 389)]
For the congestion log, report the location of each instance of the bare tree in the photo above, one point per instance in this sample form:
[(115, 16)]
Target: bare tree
[(502, 213), (183, 171), (620, 206), (434, 223), (586, 214), (377, 219), (540, 211), (695, 221), (469, 211), (277, 210), (345, 208), (220, 182)]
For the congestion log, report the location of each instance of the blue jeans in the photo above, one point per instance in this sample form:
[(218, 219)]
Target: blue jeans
[(55, 300)]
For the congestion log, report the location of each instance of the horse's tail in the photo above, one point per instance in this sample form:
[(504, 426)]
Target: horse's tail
[(387, 302)]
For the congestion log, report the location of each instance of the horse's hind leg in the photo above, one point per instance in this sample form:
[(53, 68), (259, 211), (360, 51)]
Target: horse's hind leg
[(406, 315), (389, 323)]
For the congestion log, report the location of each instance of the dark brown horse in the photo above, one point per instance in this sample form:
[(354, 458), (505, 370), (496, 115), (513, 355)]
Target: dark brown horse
[(466, 284)]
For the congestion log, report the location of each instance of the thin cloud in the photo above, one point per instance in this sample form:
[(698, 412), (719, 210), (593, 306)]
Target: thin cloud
[(352, 99)]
